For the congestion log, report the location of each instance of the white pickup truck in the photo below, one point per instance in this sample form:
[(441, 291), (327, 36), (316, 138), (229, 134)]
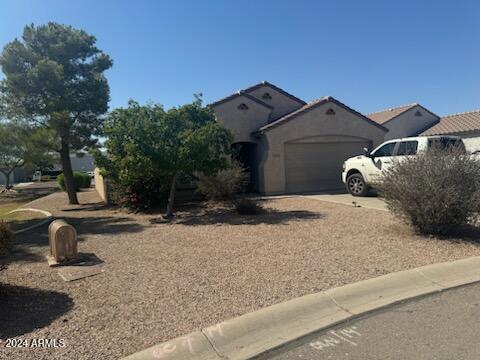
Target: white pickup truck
[(361, 172)]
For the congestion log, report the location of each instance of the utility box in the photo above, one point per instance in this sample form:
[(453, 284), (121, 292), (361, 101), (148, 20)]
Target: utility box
[(63, 242)]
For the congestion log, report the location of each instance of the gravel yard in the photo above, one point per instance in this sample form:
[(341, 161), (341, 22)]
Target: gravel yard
[(165, 280)]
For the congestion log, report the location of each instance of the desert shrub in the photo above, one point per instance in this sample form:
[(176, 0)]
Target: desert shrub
[(140, 195), (436, 192), (6, 241), (225, 184), (246, 206), (82, 181)]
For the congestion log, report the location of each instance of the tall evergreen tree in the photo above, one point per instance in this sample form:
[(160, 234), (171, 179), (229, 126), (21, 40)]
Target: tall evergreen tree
[(54, 80)]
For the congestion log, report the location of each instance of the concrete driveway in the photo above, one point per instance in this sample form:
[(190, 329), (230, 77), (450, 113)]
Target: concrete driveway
[(371, 202)]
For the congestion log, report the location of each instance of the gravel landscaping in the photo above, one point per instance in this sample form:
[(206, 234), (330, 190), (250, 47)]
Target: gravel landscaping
[(164, 280)]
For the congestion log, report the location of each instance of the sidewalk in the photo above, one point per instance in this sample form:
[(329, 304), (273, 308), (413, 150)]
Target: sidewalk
[(442, 326), (280, 325)]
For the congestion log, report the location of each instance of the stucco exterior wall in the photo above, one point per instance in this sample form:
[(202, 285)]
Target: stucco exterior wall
[(101, 185), (242, 122), (282, 104), (407, 124), (471, 141), (315, 126)]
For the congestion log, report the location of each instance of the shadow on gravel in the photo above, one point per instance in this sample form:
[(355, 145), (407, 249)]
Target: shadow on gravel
[(103, 225), (24, 309), (469, 233), (230, 217)]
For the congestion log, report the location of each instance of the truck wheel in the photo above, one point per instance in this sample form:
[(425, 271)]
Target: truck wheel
[(356, 186)]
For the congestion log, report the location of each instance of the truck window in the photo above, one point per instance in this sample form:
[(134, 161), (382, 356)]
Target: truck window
[(445, 143), (385, 150), (407, 148)]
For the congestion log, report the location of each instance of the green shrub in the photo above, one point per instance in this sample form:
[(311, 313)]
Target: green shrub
[(81, 180), (6, 238), (245, 206), (436, 192), (225, 184)]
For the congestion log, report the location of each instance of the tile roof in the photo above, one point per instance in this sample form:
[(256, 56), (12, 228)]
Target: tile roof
[(456, 123), (266, 83), (237, 94), (383, 116), (313, 104), (254, 87)]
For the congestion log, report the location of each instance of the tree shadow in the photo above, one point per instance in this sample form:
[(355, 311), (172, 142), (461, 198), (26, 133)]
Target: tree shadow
[(24, 309), (30, 246), (231, 217)]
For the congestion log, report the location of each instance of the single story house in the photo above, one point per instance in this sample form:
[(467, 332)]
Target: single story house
[(80, 162), (290, 146), (466, 125)]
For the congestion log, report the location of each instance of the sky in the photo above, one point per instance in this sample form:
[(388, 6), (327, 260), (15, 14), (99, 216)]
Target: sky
[(371, 55)]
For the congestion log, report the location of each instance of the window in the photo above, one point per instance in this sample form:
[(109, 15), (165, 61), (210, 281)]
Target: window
[(445, 143), (242, 106), (418, 113), (267, 96), (385, 150), (407, 148), (330, 112)]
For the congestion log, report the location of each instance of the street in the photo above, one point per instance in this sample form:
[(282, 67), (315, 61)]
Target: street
[(442, 326)]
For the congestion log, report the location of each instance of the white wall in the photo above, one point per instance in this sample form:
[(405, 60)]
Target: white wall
[(472, 142)]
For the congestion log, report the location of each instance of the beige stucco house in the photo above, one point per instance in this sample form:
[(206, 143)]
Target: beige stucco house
[(290, 146), (404, 121), (466, 125)]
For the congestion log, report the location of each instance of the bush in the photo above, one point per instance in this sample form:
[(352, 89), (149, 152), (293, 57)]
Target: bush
[(141, 195), (436, 192), (82, 181), (245, 206), (6, 239), (224, 184)]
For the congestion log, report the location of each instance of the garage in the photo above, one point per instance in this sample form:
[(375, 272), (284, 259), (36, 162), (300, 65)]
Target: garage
[(313, 167)]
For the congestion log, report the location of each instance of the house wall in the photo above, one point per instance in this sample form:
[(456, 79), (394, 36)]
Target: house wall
[(471, 141), (282, 104), (101, 185), (3, 179), (407, 124), (313, 125), (83, 163), (242, 122)]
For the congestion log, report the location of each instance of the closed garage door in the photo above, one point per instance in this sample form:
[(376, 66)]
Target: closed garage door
[(317, 166)]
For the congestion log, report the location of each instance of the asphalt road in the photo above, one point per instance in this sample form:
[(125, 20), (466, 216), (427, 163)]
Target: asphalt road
[(440, 326)]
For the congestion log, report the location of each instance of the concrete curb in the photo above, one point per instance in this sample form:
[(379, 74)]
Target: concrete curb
[(48, 218), (254, 333)]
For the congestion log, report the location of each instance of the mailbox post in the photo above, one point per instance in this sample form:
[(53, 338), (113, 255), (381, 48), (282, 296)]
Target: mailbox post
[(63, 242)]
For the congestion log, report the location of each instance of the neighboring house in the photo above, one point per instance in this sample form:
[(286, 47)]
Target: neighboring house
[(466, 125), (290, 146), (82, 163), (18, 175), (406, 120)]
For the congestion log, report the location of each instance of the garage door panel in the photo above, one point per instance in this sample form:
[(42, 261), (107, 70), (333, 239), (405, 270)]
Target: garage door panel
[(317, 166)]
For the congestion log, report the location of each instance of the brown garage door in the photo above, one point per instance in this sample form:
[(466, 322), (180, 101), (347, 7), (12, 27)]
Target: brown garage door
[(317, 166)]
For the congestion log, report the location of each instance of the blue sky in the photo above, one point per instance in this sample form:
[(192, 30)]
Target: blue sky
[(368, 54)]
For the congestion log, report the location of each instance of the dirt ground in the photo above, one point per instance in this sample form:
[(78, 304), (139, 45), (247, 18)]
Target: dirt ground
[(165, 280)]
